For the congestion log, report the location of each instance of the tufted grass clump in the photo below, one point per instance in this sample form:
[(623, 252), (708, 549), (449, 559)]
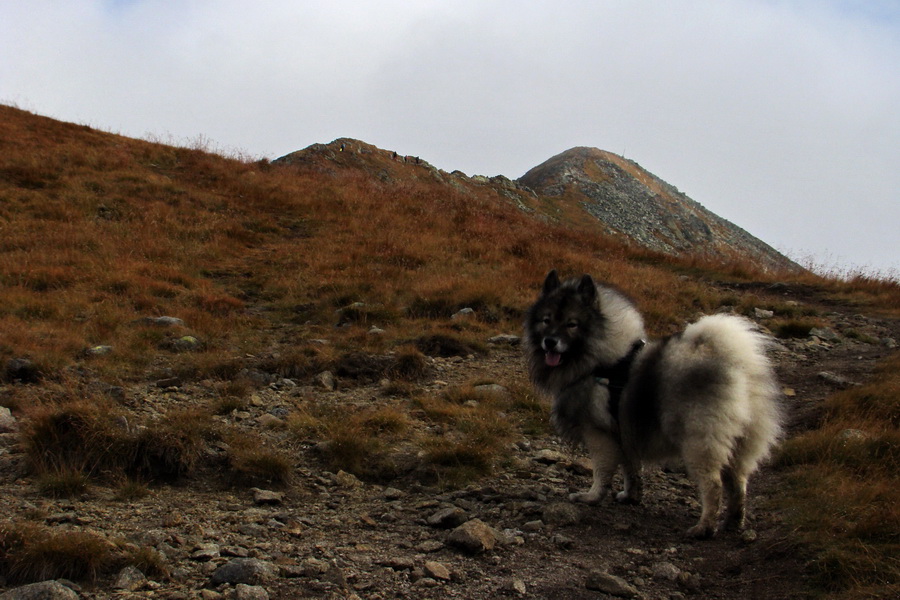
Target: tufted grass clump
[(30, 552)]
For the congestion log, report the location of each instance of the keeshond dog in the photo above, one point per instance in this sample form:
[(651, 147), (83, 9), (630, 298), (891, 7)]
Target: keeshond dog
[(707, 395)]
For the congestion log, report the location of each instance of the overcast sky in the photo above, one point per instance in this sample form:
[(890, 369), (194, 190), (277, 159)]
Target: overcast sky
[(782, 116)]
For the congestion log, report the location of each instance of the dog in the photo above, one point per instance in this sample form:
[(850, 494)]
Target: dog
[(707, 395)]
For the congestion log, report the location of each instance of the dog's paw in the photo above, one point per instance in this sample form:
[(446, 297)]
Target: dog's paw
[(585, 497), (626, 498), (701, 532)]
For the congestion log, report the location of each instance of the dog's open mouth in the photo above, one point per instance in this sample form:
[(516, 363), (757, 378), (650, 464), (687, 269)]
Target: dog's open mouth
[(552, 359)]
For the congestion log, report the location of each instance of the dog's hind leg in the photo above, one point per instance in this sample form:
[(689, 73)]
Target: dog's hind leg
[(735, 485), (606, 456), (634, 486), (706, 471)]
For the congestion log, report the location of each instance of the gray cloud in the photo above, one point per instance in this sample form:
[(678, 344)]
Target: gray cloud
[(778, 115)]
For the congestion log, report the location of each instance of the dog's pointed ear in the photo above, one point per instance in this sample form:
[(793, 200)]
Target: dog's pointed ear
[(551, 283), (587, 289)]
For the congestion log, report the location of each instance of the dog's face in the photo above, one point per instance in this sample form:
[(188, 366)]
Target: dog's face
[(561, 322)]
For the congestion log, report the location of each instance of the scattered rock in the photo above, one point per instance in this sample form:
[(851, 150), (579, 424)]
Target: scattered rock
[(326, 380), (561, 514), (473, 537), (505, 339), (448, 517), (242, 591), (169, 382), (45, 590), (826, 334), (851, 436), (549, 457), (266, 497), (185, 343), (130, 578), (601, 581), (98, 350), (665, 570), (8, 422), (760, 313), (347, 480), (22, 370), (836, 380), (250, 571), (515, 586), (160, 321), (206, 552), (437, 570), (464, 312)]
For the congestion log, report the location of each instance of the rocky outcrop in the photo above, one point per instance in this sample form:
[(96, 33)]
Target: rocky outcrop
[(631, 201)]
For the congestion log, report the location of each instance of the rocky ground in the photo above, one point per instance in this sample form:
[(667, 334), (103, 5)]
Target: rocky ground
[(512, 535)]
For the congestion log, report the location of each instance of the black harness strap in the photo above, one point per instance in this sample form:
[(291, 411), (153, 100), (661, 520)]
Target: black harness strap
[(615, 378)]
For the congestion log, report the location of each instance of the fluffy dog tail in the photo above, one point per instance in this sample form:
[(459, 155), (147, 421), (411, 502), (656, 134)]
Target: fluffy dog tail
[(740, 350)]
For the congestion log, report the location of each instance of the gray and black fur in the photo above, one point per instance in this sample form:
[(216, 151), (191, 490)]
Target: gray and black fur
[(707, 395)]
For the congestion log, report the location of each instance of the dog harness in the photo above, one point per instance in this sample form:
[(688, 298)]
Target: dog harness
[(615, 378)]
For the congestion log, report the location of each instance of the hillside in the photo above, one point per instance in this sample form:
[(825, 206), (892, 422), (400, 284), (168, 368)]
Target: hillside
[(223, 378)]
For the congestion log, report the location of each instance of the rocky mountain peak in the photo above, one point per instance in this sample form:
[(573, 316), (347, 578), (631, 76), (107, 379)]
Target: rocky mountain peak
[(631, 201)]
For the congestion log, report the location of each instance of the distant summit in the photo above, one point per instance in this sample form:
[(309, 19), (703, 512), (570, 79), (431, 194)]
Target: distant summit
[(630, 201)]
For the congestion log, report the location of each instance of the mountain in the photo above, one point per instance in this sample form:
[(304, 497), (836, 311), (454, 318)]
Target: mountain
[(631, 201), (581, 187)]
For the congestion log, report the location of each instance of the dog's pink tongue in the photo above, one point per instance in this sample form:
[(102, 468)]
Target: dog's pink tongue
[(552, 359)]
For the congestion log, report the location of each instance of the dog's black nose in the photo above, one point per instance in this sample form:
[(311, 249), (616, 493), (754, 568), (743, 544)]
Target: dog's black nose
[(550, 343)]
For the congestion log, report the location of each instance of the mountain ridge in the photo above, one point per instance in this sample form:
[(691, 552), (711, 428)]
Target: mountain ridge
[(579, 185)]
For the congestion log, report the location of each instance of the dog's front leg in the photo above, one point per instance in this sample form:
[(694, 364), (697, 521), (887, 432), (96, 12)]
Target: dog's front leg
[(606, 456)]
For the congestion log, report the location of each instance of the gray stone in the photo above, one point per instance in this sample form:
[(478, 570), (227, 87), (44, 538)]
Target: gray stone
[(448, 517), (130, 578), (505, 339), (326, 380), (160, 321), (760, 313), (835, 380), (824, 333), (45, 590), (250, 571), (549, 457), (516, 586), (22, 370), (205, 552), (665, 570), (8, 422), (464, 312), (242, 591), (264, 497), (601, 581)]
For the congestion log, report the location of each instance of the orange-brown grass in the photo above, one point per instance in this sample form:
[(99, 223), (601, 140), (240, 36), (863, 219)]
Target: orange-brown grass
[(252, 463), (843, 493), (101, 230), (30, 552)]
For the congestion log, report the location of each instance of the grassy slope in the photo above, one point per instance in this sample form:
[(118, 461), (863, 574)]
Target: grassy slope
[(97, 230)]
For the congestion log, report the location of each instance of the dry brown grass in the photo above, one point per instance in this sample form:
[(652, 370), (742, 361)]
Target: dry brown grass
[(843, 496)]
